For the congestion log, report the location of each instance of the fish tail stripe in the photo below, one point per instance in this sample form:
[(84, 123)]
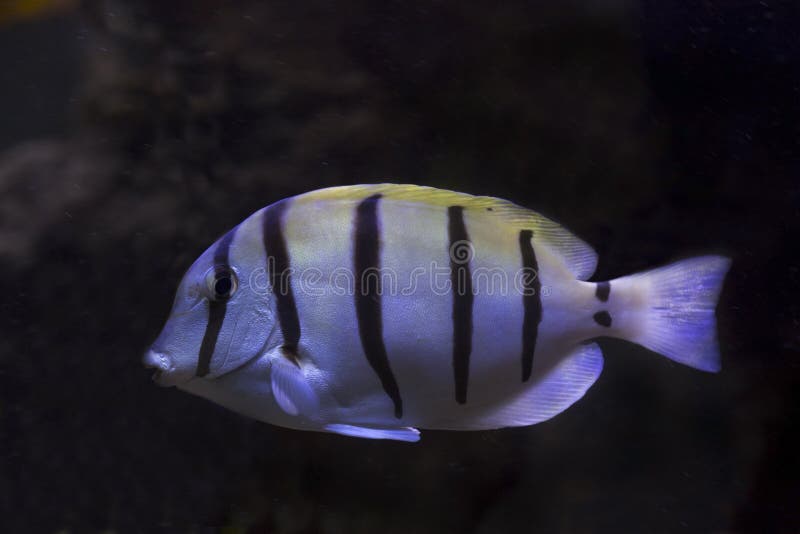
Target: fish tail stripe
[(531, 302), (603, 318), (463, 298), (279, 268), (366, 260), (602, 291), (216, 308)]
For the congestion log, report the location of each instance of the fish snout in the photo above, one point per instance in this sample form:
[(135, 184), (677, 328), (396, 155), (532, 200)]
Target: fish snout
[(165, 373)]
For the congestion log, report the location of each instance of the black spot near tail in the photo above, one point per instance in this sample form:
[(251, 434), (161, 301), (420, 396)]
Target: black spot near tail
[(603, 318)]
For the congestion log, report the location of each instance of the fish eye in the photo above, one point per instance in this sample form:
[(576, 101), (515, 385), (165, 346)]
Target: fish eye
[(221, 281)]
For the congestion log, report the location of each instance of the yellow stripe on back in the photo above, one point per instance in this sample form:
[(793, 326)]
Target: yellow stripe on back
[(579, 257)]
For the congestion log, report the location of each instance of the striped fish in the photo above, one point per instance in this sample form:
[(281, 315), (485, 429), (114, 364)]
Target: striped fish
[(374, 310)]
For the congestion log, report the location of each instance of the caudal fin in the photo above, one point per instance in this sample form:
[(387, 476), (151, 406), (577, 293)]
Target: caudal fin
[(678, 310)]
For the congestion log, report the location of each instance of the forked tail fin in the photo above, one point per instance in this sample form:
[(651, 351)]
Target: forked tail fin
[(677, 304)]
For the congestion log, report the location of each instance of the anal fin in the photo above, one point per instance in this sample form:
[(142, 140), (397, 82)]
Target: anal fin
[(564, 385), (398, 434), (545, 397)]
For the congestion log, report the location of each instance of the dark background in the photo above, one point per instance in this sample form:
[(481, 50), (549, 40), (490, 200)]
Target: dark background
[(133, 133)]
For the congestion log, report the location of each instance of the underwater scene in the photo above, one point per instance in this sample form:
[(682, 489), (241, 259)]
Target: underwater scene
[(423, 266)]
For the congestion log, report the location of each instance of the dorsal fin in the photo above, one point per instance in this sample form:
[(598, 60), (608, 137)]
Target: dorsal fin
[(578, 256)]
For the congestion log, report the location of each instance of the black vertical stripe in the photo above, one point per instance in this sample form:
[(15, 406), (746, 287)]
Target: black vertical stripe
[(366, 260), (602, 291), (216, 308), (278, 265), (460, 250), (531, 302)]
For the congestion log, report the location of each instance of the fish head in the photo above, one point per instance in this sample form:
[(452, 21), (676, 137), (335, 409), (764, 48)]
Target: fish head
[(222, 316)]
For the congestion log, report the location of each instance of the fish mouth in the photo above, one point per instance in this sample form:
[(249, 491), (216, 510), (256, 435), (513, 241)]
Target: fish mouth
[(162, 364)]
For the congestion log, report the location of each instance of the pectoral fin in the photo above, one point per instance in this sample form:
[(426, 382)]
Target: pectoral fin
[(398, 434), (290, 388)]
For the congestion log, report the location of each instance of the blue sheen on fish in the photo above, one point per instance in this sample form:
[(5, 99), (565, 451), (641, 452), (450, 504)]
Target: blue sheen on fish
[(375, 310)]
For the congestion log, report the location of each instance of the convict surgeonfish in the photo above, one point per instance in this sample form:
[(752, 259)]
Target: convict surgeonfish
[(375, 310)]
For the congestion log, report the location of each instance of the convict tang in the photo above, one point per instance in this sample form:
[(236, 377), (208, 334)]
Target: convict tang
[(375, 310)]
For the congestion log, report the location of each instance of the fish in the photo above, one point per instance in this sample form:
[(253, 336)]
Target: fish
[(377, 310)]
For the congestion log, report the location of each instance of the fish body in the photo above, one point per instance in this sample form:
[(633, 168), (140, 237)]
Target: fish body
[(376, 310)]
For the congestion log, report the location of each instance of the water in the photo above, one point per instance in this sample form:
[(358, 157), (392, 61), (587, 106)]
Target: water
[(134, 134)]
